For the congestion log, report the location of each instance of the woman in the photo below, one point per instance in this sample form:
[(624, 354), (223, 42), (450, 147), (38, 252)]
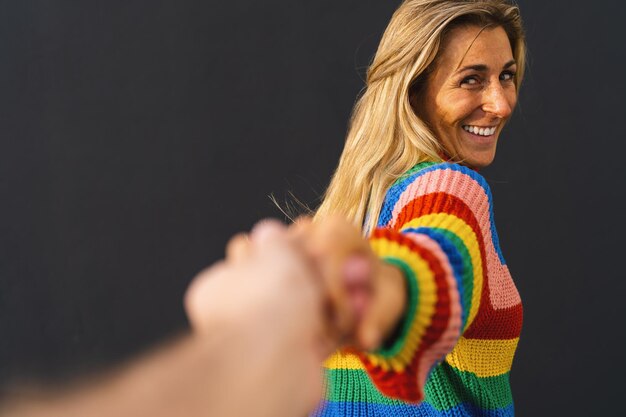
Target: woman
[(440, 89)]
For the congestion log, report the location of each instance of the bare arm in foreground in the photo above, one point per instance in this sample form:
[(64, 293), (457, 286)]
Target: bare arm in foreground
[(260, 332)]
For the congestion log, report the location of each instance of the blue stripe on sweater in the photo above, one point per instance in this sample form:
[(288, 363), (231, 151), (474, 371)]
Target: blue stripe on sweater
[(441, 236), (358, 409)]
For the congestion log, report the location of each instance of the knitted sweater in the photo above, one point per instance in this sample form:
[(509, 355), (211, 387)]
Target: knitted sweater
[(452, 354)]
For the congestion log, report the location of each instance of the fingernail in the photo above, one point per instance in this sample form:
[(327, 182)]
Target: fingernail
[(356, 270)]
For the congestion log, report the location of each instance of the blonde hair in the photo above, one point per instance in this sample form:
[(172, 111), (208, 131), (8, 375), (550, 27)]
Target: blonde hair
[(385, 136)]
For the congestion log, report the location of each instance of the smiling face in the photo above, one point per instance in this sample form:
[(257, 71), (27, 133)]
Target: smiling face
[(470, 94)]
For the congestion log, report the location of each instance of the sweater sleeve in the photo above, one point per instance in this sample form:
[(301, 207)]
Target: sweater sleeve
[(436, 225)]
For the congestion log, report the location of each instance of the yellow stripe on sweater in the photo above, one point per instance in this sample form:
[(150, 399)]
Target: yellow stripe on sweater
[(341, 360), (483, 357), (457, 226)]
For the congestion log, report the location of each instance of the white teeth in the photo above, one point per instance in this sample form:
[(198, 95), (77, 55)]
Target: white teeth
[(482, 131)]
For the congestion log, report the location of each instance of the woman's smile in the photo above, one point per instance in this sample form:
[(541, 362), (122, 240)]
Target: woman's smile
[(480, 130), (480, 135)]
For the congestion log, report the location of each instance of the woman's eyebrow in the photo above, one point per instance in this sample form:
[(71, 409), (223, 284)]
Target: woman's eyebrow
[(483, 67), (509, 64)]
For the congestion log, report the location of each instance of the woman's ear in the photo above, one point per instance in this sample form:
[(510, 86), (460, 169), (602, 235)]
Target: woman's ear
[(413, 100), (415, 90)]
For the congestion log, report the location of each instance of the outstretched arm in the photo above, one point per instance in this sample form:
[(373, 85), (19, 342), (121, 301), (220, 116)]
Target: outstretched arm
[(259, 336)]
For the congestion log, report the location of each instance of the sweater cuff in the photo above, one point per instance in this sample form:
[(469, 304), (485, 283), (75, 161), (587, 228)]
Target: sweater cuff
[(399, 250), (401, 367)]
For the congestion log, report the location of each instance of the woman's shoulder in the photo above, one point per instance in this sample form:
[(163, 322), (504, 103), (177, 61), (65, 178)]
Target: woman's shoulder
[(438, 169), (440, 181), (440, 176)]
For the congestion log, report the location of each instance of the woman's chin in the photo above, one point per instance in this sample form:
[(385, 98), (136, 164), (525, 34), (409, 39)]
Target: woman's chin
[(478, 160)]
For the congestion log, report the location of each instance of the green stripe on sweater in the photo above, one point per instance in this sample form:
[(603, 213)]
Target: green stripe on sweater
[(446, 387), (416, 168)]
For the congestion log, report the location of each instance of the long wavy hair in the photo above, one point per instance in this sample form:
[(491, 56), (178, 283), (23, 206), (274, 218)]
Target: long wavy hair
[(385, 137)]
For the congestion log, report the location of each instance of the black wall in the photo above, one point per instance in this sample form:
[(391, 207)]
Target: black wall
[(136, 136)]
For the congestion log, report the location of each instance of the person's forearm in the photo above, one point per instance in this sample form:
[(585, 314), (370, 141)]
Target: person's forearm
[(193, 376), (260, 334)]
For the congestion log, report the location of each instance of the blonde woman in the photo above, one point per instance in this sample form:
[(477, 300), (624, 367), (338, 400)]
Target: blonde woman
[(443, 308)]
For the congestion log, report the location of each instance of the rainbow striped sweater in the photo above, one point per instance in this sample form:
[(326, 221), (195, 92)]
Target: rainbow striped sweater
[(452, 354)]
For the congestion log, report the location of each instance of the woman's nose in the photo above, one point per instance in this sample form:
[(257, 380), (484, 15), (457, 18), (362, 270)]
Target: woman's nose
[(498, 101)]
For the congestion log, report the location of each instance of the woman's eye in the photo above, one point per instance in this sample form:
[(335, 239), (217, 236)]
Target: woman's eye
[(470, 81), (507, 76)]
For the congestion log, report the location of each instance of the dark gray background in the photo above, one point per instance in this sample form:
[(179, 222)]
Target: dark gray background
[(136, 136)]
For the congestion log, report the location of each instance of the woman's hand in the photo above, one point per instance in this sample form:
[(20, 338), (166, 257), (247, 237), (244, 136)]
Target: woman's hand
[(367, 295), (363, 297)]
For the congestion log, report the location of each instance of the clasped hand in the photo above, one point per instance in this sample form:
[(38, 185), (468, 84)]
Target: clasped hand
[(327, 265), (295, 294)]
